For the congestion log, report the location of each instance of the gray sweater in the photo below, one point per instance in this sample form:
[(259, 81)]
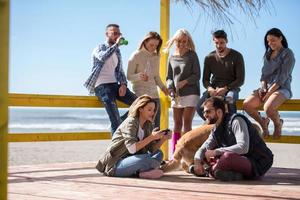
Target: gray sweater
[(220, 72), (181, 68), (240, 130)]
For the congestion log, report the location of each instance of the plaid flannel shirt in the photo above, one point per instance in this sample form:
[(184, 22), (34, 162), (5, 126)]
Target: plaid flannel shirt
[(99, 56)]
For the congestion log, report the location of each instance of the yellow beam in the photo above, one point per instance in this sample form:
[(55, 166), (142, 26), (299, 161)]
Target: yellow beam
[(48, 137), (39, 137), (285, 139), (289, 105), (39, 100), (4, 45), (164, 32)]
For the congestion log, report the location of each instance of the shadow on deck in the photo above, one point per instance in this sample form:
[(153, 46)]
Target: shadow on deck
[(81, 181)]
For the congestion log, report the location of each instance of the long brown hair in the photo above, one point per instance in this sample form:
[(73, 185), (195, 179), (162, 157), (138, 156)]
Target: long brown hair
[(141, 102), (149, 36)]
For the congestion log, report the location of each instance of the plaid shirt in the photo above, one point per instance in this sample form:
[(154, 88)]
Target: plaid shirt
[(99, 57)]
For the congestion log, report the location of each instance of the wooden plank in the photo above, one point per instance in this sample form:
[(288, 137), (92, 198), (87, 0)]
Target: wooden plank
[(77, 181)]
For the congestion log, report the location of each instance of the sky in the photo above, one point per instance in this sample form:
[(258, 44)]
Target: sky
[(51, 40)]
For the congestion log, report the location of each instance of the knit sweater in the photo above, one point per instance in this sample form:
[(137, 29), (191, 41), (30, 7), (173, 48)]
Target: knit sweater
[(220, 72), (185, 67), (144, 61)]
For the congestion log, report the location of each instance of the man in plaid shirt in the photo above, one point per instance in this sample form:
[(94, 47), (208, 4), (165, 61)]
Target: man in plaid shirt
[(108, 81)]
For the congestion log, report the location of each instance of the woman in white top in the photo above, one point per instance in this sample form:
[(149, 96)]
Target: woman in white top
[(143, 70)]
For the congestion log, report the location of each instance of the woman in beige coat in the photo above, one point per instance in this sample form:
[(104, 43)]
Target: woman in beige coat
[(134, 149)]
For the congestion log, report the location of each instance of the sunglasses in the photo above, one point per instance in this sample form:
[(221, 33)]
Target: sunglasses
[(115, 33)]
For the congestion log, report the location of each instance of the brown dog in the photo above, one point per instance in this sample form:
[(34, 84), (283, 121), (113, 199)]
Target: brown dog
[(186, 148)]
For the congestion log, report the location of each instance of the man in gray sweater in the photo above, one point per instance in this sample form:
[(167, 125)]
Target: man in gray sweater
[(223, 73), (234, 150)]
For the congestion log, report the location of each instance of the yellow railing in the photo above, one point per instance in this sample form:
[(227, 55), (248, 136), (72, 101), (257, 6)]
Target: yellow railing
[(92, 102)]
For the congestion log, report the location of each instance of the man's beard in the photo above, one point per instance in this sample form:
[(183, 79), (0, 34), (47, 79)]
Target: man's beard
[(220, 51), (212, 121), (111, 42)]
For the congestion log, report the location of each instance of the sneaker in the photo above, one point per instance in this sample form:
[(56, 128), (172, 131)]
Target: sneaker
[(191, 170), (152, 174), (224, 175)]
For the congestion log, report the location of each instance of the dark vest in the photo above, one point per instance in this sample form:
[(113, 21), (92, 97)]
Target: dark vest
[(260, 156)]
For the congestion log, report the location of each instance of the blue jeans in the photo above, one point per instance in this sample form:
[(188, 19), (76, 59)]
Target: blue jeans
[(132, 165), (108, 94), (230, 97), (157, 117)]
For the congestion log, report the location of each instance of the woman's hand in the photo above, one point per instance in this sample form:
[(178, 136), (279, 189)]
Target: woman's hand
[(181, 84), (167, 135), (161, 134), (144, 76), (262, 93), (165, 91), (157, 134)]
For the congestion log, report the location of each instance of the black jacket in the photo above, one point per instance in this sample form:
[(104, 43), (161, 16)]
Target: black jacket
[(260, 156)]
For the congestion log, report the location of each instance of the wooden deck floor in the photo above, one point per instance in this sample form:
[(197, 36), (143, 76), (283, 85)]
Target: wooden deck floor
[(80, 181)]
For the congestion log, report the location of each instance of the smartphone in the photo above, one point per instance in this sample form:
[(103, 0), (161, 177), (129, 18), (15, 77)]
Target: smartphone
[(166, 131)]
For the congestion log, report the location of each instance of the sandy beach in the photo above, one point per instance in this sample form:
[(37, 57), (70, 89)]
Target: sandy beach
[(31, 153)]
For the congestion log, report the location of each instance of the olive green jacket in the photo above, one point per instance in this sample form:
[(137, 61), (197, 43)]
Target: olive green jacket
[(125, 135)]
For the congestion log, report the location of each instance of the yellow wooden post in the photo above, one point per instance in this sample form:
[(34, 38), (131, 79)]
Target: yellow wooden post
[(164, 32), (4, 30)]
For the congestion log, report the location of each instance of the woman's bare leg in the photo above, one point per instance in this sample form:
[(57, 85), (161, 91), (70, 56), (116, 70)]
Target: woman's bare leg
[(188, 115), (271, 109), (251, 105)]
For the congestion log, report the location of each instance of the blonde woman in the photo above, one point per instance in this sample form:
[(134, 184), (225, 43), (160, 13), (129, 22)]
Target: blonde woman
[(134, 149), (183, 82), (143, 70)]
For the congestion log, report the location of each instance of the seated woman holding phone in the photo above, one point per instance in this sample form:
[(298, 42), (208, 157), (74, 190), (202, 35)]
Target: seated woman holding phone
[(134, 149)]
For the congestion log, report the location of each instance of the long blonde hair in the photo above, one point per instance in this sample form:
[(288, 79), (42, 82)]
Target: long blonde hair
[(178, 34), (141, 102)]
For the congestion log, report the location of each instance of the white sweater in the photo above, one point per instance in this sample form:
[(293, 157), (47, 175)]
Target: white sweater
[(140, 61)]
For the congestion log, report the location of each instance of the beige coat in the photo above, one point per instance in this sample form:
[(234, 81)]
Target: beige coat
[(125, 135)]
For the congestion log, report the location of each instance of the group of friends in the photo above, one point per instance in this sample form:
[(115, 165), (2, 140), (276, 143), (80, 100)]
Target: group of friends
[(234, 149)]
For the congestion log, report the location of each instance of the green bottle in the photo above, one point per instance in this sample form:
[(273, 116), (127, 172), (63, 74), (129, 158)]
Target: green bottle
[(123, 41)]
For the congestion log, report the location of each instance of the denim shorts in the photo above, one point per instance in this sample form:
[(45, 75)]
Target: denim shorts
[(286, 93)]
